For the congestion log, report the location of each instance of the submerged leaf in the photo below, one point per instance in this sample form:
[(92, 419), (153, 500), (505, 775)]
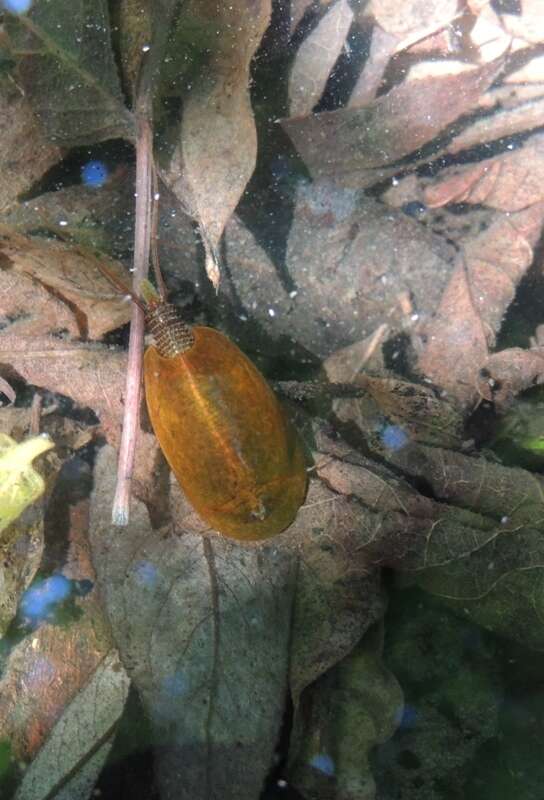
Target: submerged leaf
[(72, 275), (349, 140), (67, 68), (217, 145), (25, 155)]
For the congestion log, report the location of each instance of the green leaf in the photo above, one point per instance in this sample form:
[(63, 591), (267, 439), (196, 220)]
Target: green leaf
[(20, 484), (67, 68)]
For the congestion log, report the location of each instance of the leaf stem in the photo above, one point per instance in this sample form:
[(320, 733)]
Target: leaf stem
[(142, 244)]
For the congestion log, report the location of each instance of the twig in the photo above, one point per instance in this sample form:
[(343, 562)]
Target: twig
[(35, 414), (142, 243)]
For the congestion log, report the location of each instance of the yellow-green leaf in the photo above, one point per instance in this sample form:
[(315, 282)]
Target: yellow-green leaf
[(20, 484)]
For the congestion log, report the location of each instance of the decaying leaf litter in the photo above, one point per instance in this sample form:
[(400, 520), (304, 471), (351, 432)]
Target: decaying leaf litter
[(394, 211)]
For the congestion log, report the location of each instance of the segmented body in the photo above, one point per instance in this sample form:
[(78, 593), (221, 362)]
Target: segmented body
[(222, 430)]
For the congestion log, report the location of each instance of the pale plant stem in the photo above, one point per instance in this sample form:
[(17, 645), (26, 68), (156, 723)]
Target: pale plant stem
[(142, 243)]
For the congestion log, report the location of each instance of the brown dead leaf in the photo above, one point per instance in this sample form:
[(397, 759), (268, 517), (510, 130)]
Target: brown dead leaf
[(53, 664), (382, 46), (346, 277), (316, 57), (509, 182), (68, 737), (473, 305), (25, 153), (297, 10), (527, 25), (509, 372), (393, 126), (246, 619), (82, 299), (103, 220), (501, 119), (217, 147), (46, 671), (411, 20)]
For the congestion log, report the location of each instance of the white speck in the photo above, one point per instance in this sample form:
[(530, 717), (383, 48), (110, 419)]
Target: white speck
[(282, 784), (395, 181), (414, 317), (271, 312), (505, 520), (63, 223), (156, 196), (293, 293), (146, 48)]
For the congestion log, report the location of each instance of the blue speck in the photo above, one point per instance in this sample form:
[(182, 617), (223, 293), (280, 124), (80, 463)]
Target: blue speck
[(17, 6), (146, 574), (406, 717), (394, 437), (83, 587), (94, 173), (175, 685), (414, 208), (323, 763), (39, 601)]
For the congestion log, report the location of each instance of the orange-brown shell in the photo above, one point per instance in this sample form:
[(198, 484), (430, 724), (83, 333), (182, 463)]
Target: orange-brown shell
[(226, 437)]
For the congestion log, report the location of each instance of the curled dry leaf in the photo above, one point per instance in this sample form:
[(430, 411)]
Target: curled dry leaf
[(506, 113), (347, 141), (87, 303), (25, 154), (510, 182), (473, 305), (217, 146), (315, 58), (499, 580), (417, 412), (510, 498), (479, 545)]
